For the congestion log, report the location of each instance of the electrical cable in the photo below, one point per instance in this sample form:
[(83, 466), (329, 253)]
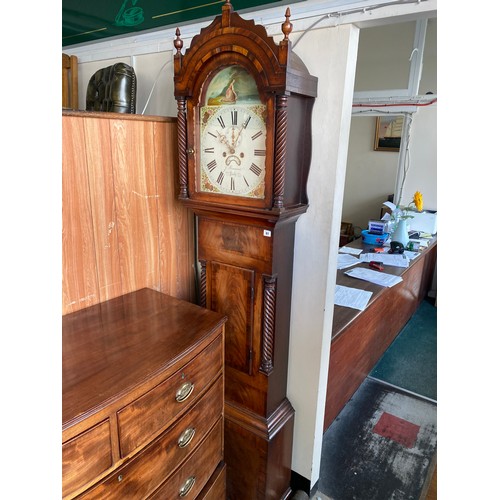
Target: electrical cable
[(386, 105), (339, 13), (406, 163), (154, 85), (310, 28)]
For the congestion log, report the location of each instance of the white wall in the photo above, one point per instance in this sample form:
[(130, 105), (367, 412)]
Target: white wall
[(316, 242), (383, 57), (370, 176), (149, 68), (384, 65), (422, 166)]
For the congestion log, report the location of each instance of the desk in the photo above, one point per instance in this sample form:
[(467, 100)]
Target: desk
[(359, 338)]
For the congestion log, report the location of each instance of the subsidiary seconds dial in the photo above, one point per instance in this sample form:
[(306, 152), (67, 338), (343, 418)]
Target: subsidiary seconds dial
[(233, 150)]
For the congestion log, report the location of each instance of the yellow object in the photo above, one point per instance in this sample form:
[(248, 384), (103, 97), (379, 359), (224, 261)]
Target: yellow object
[(418, 199)]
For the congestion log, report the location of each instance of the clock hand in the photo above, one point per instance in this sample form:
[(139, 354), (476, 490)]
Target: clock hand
[(238, 136), (223, 140)]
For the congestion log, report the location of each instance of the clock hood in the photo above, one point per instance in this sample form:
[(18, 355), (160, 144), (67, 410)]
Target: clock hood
[(229, 35)]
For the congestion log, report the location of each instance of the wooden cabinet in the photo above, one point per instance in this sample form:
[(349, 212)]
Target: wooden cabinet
[(143, 393), (123, 228)]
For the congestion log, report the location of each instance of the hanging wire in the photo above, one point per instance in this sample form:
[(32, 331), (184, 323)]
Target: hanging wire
[(364, 10), (406, 162), (154, 85)]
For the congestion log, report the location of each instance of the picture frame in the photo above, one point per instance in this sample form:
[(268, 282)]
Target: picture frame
[(388, 131)]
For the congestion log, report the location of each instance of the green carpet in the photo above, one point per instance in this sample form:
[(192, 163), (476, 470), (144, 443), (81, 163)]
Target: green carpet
[(410, 362)]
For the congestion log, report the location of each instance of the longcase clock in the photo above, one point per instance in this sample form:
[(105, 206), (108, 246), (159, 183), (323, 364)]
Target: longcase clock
[(244, 139)]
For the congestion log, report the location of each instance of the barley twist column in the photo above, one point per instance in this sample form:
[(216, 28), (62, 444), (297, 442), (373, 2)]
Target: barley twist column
[(203, 283), (182, 143), (268, 313), (279, 157)]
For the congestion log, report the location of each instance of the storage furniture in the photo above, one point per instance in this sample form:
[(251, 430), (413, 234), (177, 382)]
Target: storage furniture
[(69, 81), (123, 228), (142, 400)]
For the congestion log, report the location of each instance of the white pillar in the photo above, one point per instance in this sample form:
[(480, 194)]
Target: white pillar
[(330, 54)]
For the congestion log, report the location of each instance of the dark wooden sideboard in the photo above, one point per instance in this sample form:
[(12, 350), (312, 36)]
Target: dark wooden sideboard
[(142, 399), (359, 338)]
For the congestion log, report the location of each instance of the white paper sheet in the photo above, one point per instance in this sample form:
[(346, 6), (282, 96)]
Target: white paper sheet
[(389, 259), (377, 277), (352, 251), (346, 260), (390, 205), (351, 297), (411, 255)]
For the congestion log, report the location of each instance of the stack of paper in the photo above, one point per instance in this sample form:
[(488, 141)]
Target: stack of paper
[(382, 279), (389, 259)]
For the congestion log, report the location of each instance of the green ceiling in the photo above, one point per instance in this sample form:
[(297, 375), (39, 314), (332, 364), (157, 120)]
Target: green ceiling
[(85, 21)]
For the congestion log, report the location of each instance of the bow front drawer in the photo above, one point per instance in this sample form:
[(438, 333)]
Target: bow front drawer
[(146, 471), (150, 414), (189, 480), (86, 456)]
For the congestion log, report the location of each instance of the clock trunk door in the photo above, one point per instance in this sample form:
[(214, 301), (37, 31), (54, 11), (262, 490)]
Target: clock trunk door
[(232, 294)]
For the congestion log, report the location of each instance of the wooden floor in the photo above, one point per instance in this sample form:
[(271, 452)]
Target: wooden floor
[(432, 491)]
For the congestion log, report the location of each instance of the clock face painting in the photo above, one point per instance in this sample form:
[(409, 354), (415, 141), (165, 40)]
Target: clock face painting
[(233, 136)]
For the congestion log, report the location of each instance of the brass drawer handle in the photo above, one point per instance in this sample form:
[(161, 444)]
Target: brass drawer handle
[(184, 392), (186, 487), (186, 437)]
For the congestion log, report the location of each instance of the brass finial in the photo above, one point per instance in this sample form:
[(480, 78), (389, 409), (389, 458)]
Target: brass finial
[(178, 43), (227, 10), (287, 26)]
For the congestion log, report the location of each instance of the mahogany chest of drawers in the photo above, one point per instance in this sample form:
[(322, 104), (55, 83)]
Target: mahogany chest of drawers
[(142, 400)]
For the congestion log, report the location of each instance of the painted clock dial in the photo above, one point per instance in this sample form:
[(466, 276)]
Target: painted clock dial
[(233, 136)]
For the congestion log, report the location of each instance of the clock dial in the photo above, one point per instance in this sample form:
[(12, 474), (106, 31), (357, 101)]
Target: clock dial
[(233, 150)]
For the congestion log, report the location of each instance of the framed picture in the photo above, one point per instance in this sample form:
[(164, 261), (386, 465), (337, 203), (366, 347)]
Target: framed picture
[(388, 130)]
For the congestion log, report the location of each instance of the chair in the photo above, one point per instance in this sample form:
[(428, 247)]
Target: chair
[(69, 81), (112, 89), (346, 233), (386, 210)]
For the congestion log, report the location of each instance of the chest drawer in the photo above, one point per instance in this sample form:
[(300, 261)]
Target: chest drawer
[(140, 476), (215, 489), (86, 456), (192, 476), (146, 416)]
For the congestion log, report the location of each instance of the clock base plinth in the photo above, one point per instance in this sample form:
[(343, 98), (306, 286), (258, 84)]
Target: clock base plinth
[(258, 453)]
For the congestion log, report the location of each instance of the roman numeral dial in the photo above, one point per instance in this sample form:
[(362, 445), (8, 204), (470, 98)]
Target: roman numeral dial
[(232, 157)]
